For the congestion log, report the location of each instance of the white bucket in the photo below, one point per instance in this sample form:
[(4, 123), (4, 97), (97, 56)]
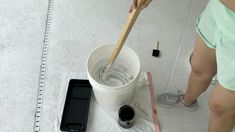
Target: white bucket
[(113, 97)]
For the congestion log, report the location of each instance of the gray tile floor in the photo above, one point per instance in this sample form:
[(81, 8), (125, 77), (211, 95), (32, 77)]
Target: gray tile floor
[(78, 26), (22, 27)]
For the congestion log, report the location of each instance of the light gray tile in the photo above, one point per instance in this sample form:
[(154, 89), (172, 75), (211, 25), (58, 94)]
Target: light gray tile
[(21, 35)]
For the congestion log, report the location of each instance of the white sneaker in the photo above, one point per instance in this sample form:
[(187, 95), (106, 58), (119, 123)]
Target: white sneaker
[(170, 100)]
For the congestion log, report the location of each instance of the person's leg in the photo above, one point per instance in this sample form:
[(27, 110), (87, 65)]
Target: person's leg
[(222, 107), (203, 70)]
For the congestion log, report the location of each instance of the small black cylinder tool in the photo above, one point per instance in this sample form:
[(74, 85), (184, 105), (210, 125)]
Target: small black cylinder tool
[(156, 52)]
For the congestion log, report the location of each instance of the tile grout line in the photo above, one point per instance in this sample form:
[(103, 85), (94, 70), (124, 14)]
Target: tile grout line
[(80, 23), (180, 46)]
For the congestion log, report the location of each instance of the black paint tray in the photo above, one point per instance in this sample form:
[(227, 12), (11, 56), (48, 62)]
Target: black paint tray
[(76, 109)]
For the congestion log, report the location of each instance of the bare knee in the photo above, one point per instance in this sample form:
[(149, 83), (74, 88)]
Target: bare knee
[(219, 109), (203, 73), (216, 108)]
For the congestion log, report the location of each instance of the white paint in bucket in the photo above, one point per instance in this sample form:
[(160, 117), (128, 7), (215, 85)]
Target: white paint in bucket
[(112, 97), (116, 75)]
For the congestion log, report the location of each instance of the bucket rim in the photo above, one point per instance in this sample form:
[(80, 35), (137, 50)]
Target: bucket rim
[(114, 87)]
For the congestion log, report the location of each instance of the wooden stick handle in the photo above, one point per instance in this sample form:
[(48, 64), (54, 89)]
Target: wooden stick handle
[(125, 32)]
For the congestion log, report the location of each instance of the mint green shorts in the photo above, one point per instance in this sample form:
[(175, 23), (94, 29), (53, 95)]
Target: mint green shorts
[(216, 26)]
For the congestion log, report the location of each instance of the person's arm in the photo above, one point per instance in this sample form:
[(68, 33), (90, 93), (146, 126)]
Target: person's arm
[(134, 4)]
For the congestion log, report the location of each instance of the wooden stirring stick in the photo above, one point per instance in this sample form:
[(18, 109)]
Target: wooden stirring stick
[(127, 28)]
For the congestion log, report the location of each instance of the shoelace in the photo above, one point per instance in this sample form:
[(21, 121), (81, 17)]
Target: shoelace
[(176, 97)]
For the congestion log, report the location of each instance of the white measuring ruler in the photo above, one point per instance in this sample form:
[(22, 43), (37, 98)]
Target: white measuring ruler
[(43, 69)]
